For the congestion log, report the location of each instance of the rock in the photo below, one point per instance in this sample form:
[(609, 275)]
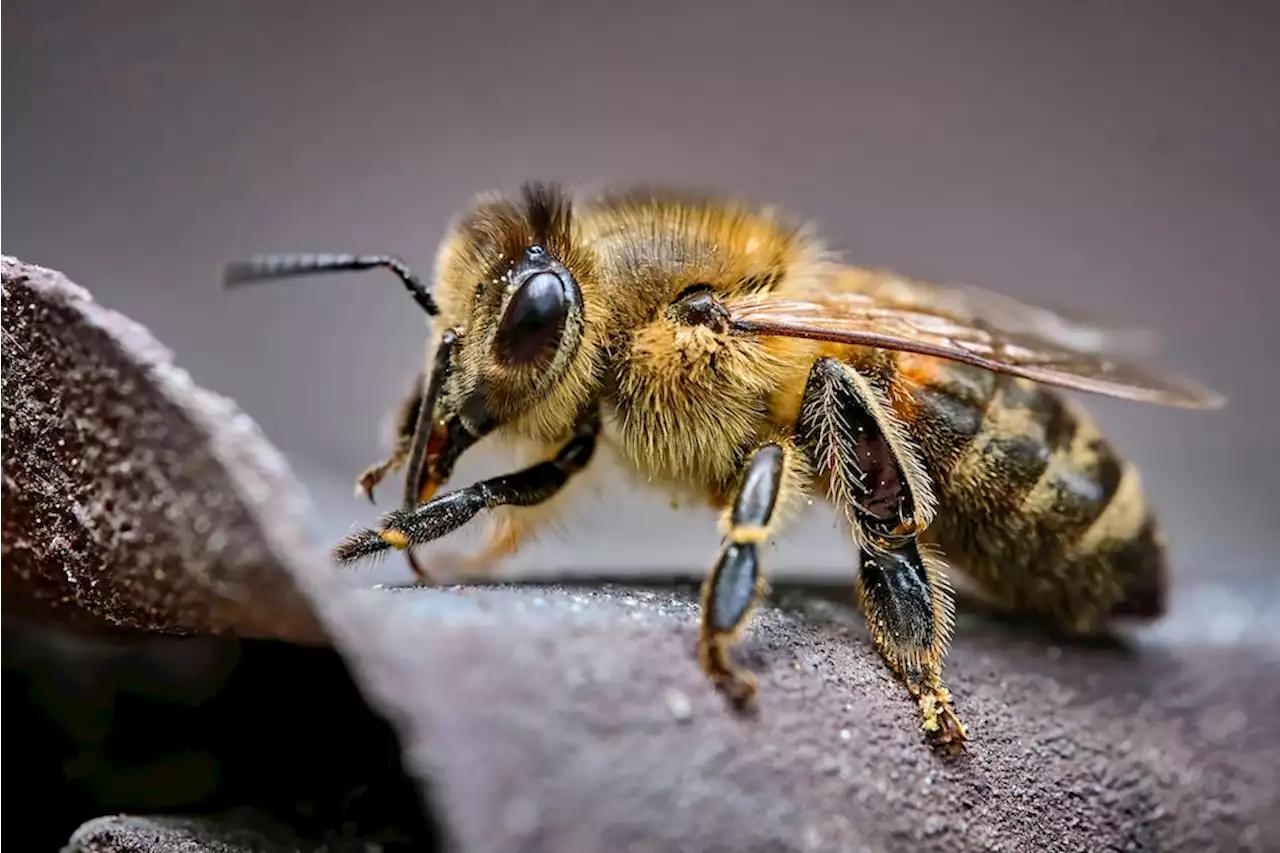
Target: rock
[(128, 834), (134, 498), (544, 713), (560, 717)]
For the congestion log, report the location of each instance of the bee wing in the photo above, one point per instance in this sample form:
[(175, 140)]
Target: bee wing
[(974, 306), (986, 330)]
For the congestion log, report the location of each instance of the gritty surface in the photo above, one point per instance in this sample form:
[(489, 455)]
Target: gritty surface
[(594, 693), (130, 834), (127, 834), (567, 719), (118, 504)]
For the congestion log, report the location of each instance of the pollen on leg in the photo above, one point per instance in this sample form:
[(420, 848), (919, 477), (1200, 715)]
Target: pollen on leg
[(749, 534), (395, 539), (939, 720)]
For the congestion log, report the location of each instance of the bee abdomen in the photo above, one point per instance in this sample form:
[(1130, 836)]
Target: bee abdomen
[(1034, 502)]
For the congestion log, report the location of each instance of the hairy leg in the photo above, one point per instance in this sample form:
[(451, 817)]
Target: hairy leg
[(510, 528), (418, 419), (406, 421), (879, 485), (908, 605), (768, 485), (403, 528)]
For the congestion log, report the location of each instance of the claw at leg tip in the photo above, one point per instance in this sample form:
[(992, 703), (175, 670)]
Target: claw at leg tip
[(364, 487)]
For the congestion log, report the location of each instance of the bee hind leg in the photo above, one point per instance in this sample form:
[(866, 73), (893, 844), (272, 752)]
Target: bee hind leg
[(735, 584), (905, 597), (855, 439)]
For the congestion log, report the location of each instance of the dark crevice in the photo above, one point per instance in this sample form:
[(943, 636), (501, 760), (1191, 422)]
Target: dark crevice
[(258, 735)]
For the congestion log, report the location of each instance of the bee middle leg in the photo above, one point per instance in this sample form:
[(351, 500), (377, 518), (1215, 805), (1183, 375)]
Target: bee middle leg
[(878, 484), (736, 583)]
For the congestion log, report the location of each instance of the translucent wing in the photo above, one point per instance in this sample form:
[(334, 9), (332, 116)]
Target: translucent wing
[(971, 305), (987, 330)]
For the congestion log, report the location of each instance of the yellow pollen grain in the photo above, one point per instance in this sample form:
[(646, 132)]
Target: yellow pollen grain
[(748, 535), (395, 539)]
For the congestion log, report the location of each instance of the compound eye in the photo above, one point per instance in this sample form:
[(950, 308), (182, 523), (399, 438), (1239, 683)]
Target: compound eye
[(534, 320)]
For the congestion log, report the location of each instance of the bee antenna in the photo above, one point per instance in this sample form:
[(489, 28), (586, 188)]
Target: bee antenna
[(266, 267)]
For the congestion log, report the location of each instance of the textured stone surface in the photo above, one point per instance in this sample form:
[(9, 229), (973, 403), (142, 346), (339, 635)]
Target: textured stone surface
[(132, 497), (606, 736), (227, 834), (129, 834), (574, 718)]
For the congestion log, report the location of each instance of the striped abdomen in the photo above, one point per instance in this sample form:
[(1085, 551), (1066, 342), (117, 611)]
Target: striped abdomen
[(1034, 505)]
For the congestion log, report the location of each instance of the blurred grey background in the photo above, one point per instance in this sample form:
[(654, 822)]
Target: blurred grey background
[(1120, 159)]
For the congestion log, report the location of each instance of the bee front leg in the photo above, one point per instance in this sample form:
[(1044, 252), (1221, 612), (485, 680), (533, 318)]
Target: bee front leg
[(406, 421), (735, 584), (510, 528), (403, 528)]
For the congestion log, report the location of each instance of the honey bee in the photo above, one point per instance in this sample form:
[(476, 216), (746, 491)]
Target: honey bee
[(730, 356)]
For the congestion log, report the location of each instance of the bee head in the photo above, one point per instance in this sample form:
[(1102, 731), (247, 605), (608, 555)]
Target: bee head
[(510, 278), (514, 292)]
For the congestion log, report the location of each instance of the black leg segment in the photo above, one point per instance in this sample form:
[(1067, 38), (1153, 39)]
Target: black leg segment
[(898, 596), (415, 428), (405, 528), (734, 585), (420, 477)]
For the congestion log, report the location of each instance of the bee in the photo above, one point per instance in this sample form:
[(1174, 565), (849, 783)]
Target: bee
[(731, 357)]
